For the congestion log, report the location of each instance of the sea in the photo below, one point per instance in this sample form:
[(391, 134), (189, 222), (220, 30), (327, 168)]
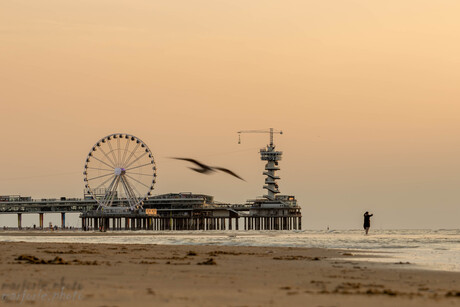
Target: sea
[(426, 249)]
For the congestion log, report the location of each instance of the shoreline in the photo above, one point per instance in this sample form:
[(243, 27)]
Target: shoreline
[(210, 275)]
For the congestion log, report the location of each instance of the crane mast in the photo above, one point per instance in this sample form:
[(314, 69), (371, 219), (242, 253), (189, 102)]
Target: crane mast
[(272, 157)]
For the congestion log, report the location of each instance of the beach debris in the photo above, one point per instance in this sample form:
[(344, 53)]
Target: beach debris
[(209, 261), (167, 258), (319, 282), (150, 291), (423, 289), (347, 254), (380, 292), (191, 253), (79, 262), (177, 263), (349, 285), (297, 258), (292, 293), (285, 288), (147, 262), (216, 253), (400, 262), (36, 260), (453, 294), (83, 251), (374, 286), (390, 292), (344, 288)]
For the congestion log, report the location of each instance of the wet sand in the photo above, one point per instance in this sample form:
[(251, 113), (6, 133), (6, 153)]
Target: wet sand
[(62, 274)]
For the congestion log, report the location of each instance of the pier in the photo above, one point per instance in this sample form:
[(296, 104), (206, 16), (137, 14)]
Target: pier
[(119, 176), (196, 215), (174, 211)]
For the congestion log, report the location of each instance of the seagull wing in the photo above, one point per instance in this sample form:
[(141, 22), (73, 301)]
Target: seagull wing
[(204, 168), (228, 172)]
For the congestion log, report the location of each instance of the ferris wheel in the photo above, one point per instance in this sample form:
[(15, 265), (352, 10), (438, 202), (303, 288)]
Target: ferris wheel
[(120, 170)]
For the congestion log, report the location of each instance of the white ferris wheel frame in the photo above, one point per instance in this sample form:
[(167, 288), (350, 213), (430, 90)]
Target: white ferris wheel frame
[(121, 165)]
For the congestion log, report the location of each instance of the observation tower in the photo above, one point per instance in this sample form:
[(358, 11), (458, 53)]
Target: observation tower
[(272, 157)]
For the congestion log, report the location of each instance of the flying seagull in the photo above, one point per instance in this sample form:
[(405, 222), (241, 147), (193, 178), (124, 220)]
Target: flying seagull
[(206, 169)]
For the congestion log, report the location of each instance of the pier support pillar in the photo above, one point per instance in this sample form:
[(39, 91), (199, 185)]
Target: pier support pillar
[(19, 220), (40, 220), (62, 220)]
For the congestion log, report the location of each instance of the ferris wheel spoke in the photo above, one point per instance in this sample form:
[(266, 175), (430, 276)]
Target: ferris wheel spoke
[(137, 181), (103, 162), (101, 169), (118, 151), (130, 156), (100, 176), (113, 192), (130, 195), (108, 191), (108, 158), (132, 187), (139, 166), (125, 152), (148, 175), (113, 154), (99, 186), (137, 159), (135, 190)]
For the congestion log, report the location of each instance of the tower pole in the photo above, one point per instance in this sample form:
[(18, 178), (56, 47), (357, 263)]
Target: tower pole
[(271, 137)]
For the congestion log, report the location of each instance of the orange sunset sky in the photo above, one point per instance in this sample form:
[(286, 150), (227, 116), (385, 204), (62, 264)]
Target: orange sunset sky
[(366, 92)]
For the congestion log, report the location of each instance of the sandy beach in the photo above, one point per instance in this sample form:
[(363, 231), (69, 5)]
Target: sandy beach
[(58, 274)]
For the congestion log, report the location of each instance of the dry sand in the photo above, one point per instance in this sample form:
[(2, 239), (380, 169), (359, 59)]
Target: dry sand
[(158, 275)]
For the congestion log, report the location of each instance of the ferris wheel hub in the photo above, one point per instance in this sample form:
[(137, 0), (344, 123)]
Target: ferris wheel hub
[(119, 171)]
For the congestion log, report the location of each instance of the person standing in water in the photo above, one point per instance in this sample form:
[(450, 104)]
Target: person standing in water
[(367, 221)]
